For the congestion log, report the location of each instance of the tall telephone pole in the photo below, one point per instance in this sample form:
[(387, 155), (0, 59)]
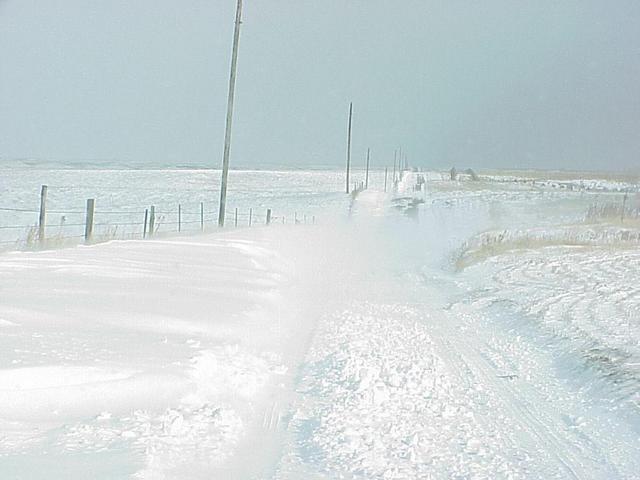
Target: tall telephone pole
[(366, 178), (227, 131), (349, 144)]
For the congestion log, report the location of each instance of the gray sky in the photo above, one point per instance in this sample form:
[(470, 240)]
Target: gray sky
[(473, 83)]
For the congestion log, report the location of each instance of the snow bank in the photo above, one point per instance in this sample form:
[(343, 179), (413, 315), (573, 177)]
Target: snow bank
[(159, 354)]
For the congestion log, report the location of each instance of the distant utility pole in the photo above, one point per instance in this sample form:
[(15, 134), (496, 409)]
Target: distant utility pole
[(366, 177), (349, 143), (395, 159), (227, 131)]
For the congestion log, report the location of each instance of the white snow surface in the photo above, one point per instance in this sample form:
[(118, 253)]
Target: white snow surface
[(349, 349)]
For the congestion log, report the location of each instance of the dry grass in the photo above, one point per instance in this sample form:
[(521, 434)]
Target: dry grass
[(563, 175), (465, 186), (492, 243), (623, 212)]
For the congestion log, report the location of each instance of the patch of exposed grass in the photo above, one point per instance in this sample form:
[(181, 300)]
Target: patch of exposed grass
[(492, 243)]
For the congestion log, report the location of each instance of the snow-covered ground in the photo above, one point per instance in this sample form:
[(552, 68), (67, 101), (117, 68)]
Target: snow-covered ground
[(137, 358), (360, 347), (121, 197), (585, 299)]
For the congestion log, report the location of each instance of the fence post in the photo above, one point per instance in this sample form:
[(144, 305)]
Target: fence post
[(88, 223), (250, 214), (179, 217), (152, 220), (235, 220), (43, 213), (202, 216), (268, 216), (146, 219)]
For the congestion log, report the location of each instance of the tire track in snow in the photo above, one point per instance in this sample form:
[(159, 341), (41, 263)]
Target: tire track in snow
[(587, 297), (542, 433), (377, 402), (460, 363)]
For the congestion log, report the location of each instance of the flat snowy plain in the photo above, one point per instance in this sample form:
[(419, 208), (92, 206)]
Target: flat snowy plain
[(491, 332)]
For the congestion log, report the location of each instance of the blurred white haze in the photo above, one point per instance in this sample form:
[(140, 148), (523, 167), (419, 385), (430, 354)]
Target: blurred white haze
[(469, 324)]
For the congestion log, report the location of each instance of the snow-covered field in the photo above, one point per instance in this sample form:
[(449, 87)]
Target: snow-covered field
[(123, 195), (361, 347)]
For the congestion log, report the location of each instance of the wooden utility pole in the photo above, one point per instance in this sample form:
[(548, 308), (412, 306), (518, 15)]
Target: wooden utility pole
[(227, 131), (42, 218), (349, 144), (395, 160), (366, 176), (386, 169)]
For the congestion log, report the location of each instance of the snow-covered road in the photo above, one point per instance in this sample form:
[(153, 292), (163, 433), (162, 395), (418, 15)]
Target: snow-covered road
[(351, 350), (416, 381)]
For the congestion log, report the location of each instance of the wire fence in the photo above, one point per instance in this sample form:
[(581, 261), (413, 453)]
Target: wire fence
[(50, 227)]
